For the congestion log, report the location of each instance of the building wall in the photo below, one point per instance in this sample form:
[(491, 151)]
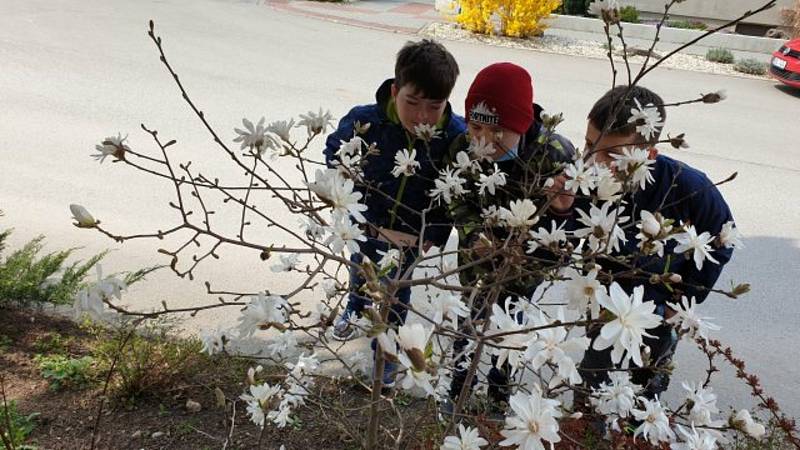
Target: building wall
[(716, 11)]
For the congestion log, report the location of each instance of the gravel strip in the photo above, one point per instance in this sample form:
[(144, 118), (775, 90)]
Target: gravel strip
[(576, 47)]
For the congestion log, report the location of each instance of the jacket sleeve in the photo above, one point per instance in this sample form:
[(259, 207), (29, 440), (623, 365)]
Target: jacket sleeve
[(344, 132), (708, 212)]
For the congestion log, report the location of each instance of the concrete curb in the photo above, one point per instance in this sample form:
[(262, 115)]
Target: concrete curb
[(677, 36)]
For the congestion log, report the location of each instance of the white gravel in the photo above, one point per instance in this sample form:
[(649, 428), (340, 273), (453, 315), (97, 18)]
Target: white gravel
[(576, 47)]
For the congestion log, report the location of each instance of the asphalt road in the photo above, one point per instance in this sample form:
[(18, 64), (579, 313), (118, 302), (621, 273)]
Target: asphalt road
[(72, 73)]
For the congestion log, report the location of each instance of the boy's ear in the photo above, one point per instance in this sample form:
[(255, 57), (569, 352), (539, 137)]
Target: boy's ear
[(394, 90), (652, 152)]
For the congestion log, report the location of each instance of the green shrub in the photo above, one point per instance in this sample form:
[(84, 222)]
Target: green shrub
[(751, 66), (28, 277), (51, 343), (64, 372), (150, 363), (576, 7), (687, 24), (629, 14), (720, 55), (14, 426)]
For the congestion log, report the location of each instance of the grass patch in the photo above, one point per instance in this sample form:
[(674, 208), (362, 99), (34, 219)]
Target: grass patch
[(15, 427)]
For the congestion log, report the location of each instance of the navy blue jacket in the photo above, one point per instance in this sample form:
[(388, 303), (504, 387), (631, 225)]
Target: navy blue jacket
[(390, 137), (686, 195)]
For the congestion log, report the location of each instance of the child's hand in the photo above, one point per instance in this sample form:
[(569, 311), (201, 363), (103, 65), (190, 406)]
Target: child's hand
[(561, 200)]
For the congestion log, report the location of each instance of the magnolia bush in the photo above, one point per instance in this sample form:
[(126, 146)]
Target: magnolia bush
[(539, 336)]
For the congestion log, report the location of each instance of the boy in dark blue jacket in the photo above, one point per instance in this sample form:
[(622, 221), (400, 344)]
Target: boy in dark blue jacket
[(678, 192), (411, 117)]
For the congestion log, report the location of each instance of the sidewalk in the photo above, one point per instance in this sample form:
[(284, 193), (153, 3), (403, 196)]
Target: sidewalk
[(399, 16)]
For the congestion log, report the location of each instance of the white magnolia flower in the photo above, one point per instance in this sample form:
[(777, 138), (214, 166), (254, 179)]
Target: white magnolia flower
[(655, 424), (464, 163), (534, 421), (543, 237), (344, 233), (387, 339), (312, 228), (694, 440), (258, 400), (426, 132), (282, 129), (480, 149), (282, 344), (698, 245), (89, 301), (504, 321), (602, 8), (288, 263), (111, 146), (608, 188), (468, 439), (413, 336), (352, 147), (316, 123), (584, 291), (647, 119), (109, 286), (492, 215), (281, 416), (491, 182), (689, 320), (213, 340), (255, 137), (649, 225), (349, 166), (552, 345), (520, 214), (615, 397), (650, 228), (82, 217), (389, 258), (602, 225), (729, 236), (305, 365), (634, 165), (413, 377), (745, 422), (262, 311), (405, 163), (580, 178), (632, 318), (320, 313), (702, 404), (448, 186), (359, 362), (330, 287), (447, 305), (332, 187)]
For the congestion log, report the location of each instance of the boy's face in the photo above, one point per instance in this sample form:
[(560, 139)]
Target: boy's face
[(610, 144), (414, 109), (503, 139)]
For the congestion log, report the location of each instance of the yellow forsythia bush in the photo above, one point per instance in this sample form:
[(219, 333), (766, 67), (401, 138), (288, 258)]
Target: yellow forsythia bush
[(517, 18)]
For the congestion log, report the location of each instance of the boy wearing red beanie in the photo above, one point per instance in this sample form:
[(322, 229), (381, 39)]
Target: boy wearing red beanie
[(503, 155)]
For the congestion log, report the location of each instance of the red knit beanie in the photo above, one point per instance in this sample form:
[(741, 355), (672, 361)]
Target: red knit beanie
[(502, 94)]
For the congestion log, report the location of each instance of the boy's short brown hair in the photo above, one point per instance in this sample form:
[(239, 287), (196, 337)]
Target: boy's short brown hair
[(615, 107), (428, 66)]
